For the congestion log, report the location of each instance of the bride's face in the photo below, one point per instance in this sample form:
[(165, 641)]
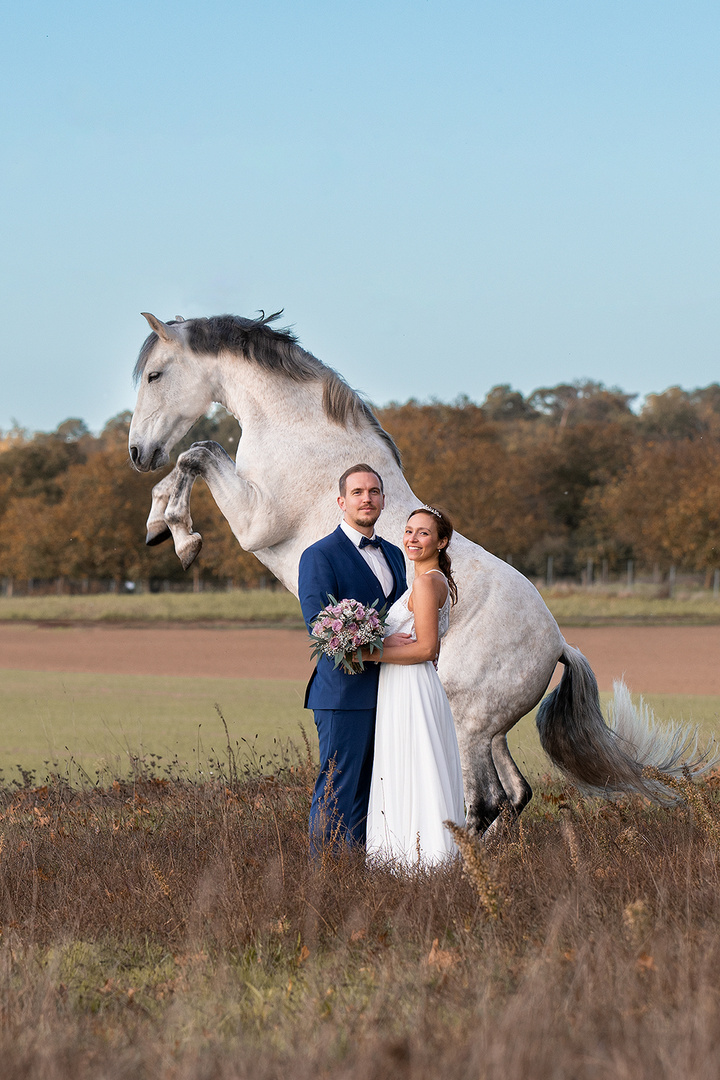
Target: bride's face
[(421, 540)]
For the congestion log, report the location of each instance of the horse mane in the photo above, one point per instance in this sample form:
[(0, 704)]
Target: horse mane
[(274, 350)]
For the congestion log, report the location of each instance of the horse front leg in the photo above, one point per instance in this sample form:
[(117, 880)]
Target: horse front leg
[(252, 520), (170, 510), (156, 527), (206, 459), (170, 516)]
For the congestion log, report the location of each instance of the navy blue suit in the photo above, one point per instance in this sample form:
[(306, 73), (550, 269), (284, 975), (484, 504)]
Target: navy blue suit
[(344, 705)]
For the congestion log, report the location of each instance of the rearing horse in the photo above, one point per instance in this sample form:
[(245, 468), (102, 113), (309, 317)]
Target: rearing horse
[(302, 426)]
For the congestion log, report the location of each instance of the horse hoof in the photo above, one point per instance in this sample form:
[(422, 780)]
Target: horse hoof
[(189, 551), (157, 533)]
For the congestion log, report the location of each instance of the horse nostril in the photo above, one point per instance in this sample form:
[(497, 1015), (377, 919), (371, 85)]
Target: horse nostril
[(134, 455)]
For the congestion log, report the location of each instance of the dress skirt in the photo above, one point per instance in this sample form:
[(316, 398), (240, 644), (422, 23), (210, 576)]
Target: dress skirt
[(417, 779)]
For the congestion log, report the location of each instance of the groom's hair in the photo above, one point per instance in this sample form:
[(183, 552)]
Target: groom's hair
[(362, 467)]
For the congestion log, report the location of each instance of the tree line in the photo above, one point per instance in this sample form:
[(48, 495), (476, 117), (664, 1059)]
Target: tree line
[(570, 472)]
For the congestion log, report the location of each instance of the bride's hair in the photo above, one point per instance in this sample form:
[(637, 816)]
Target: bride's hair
[(444, 527)]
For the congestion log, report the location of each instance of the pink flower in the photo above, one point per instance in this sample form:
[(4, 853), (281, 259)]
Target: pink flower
[(336, 625), (334, 643)]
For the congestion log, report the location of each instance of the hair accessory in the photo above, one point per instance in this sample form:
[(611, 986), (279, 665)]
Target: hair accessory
[(432, 510)]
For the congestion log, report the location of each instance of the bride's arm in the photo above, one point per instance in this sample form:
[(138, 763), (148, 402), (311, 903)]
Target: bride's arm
[(427, 596)]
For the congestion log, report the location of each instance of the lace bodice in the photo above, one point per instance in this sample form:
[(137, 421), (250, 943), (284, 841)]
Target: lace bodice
[(400, 619)]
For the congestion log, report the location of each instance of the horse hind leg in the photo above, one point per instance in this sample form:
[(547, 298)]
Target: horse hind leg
[(485, 794), (516, 787), (517, 790)]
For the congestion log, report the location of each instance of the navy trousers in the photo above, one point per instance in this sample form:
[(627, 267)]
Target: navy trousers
[(338, 814)]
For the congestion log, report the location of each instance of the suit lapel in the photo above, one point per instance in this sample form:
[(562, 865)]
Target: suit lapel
[(396, 564), (352, 551)]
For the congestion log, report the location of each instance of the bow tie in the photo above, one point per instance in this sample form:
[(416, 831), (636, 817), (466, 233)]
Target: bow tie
[(366, 541)]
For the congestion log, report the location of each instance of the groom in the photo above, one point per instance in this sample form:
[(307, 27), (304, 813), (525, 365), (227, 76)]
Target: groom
[(351, 563)]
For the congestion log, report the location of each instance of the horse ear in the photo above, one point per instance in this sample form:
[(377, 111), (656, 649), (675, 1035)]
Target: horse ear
[(163, 331)]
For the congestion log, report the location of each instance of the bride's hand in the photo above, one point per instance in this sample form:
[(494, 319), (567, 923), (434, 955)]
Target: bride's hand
[(398, 639)]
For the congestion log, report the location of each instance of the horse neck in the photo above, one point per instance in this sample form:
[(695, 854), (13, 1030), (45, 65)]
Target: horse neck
[(258, 399), (289, 441)]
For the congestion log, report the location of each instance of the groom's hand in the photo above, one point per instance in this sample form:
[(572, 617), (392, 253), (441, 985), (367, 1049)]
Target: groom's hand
[(398, 639)]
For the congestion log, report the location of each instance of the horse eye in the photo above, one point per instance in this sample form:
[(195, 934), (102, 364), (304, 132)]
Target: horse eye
[(154, 376)]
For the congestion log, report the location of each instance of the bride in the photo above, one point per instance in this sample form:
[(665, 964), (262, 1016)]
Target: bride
[(416, 780)]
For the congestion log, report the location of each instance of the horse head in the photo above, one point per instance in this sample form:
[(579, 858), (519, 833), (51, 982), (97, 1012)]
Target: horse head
[(173, 391)]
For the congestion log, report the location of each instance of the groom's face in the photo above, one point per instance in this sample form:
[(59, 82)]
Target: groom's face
[(363, 501)]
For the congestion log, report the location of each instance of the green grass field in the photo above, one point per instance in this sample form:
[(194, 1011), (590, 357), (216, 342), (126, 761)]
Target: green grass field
[(255, 605), (570, 606), (643, 604), (101, 722)]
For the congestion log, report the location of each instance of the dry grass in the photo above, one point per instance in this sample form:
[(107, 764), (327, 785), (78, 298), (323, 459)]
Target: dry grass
[(162, 929)]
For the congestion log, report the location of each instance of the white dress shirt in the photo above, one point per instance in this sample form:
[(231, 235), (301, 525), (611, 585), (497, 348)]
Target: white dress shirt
[(374, 557)]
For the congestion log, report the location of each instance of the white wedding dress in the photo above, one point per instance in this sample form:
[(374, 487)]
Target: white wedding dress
[(416, 780)]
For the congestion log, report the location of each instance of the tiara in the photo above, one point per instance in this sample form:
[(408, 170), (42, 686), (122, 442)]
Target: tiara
[(432, 510)]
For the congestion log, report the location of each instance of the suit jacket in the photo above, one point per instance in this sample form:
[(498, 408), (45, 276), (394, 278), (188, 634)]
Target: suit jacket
[(335, 566)]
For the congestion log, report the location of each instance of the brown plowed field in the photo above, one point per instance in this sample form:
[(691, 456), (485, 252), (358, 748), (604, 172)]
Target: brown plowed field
[(661, 660)]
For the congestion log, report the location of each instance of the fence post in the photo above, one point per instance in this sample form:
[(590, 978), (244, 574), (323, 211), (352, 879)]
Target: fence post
[(549, 577), (671, 582), (716, 585), (589, 572), (605, 571), (630, 574)]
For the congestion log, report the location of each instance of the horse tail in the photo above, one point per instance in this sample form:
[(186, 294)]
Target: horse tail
[(631, 753)]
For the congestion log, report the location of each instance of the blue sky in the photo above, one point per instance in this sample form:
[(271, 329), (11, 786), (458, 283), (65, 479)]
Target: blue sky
[(442, 196)]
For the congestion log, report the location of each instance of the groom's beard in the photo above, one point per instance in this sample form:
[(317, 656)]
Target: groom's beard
[(364, 518)]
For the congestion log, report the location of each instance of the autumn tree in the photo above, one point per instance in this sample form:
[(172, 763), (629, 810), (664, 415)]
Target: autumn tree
[(583, 401), (665, 507), (454, 457), (28, 548)]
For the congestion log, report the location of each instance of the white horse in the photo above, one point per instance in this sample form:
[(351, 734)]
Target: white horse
[(302, 426)]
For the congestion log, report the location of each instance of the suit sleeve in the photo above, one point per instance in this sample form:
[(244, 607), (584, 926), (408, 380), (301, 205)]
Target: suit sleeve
[(316, 581)]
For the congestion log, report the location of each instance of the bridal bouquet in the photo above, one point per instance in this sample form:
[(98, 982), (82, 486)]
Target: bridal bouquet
[(343, 627)]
